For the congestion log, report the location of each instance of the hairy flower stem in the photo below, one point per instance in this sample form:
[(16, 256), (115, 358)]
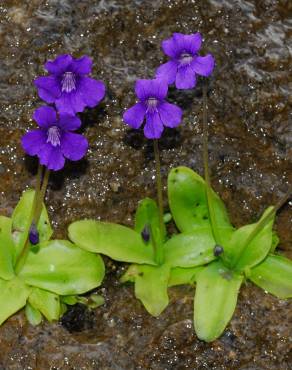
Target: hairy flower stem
[(41, 197), (262, 223), (40, 190), (206, 170), (37, 190), (159, 251)]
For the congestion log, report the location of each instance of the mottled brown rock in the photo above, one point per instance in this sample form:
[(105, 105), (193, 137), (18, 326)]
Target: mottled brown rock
[(250, 160)]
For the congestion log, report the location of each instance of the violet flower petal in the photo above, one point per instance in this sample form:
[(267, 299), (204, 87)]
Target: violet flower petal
[(51, 157), (153, 128), (70, 103), (59, 65), (151, 88), (187, 43), (167, 71), (203, 65), (170, 114), (193, 42), (179, 42), (68, 123), (33, 141), (169, 47), (48, 88), (45, 116), (185, 78), (92, 91), (134, 116), (73, 146), (143, 89), (82, 65)]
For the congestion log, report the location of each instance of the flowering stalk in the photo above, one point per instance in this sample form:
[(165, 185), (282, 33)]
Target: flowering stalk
[(41, 197), (40, 189), (158, 251), (157, 113), (206, 169)]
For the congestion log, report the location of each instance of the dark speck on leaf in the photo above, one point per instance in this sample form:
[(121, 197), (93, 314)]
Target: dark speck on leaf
[(227, 275)]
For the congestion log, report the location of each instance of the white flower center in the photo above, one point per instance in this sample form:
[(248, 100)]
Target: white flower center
[(68, 82), (152, 104), (54, 135), (185, 59)]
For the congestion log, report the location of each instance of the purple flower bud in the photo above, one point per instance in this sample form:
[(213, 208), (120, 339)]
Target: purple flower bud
[(218, 250), (146, 233), (33, 235)]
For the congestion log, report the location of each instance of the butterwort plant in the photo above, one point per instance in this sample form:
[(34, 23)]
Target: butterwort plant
[(245, 253), (156, 263), (36, 272), (143, 246), (71, 90)]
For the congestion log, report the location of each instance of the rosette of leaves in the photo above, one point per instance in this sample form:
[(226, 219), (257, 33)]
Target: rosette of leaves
[(246, 253), (54, 271), (156, 262)]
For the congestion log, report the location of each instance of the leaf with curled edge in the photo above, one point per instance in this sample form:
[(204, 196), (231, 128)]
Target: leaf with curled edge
[(7, 249), (13, 296), (274, 275), (61, 267), (215, 300), (22, 218), (151, 284), (189, 206), (113, 240)]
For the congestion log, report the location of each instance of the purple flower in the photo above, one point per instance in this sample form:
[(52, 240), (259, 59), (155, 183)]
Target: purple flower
[(185, 62), (153, 107), (54, 141), (68, 85)]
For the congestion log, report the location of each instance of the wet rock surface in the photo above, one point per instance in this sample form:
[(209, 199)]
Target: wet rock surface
[(250, 160)]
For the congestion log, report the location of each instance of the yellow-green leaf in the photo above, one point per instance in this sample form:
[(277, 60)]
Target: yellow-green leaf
[(115, 241), (46, 302), (215, 300), (62, 268), (13, 296), (7, 249), (274, 275)]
